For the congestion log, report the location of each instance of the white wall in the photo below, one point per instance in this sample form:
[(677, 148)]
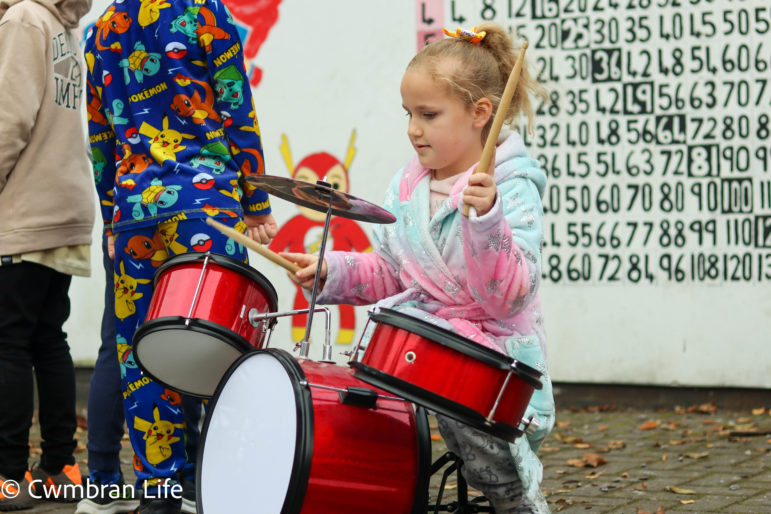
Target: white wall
[(330, 68)]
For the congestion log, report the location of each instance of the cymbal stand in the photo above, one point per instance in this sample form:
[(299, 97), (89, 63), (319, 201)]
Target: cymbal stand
[(305, 343)]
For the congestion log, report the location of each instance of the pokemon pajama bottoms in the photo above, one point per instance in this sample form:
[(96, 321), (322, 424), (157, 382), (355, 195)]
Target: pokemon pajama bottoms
[(156, 422)]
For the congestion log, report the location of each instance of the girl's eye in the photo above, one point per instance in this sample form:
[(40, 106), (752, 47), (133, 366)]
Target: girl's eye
[(429, 115)]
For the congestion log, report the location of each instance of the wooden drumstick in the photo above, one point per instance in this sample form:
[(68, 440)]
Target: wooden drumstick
[(238, 237), (500, 115)]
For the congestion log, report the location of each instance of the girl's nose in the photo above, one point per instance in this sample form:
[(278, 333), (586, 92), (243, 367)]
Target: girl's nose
[(413, 129)]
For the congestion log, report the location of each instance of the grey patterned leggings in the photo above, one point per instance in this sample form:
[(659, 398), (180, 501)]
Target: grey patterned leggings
[(488, 466)]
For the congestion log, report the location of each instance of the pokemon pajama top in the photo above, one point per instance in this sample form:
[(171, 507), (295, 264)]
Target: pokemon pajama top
[(173, 131)]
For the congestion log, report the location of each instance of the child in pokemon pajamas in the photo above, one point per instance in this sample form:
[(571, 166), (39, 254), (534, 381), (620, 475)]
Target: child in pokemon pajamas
[(174, 150)]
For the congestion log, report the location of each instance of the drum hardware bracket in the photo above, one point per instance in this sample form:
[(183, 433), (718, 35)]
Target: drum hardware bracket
[(342, 392), (410, 357), (256, 317), (531, 425), (360, 397)]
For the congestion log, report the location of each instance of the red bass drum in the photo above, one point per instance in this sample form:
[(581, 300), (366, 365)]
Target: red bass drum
[(198, 324), (288, 436), (448, 374)]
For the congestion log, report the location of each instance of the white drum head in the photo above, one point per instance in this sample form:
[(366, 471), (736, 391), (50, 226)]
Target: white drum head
[(189, 361), (250, 438)]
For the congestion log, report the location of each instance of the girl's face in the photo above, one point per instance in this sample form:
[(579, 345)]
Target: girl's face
[(445, 132)]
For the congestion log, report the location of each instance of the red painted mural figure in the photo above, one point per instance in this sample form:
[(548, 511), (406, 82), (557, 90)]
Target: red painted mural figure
[(257, 17), (303, 232)]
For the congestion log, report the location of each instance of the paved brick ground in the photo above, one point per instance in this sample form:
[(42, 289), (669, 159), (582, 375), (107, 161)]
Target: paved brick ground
[(695, 459)]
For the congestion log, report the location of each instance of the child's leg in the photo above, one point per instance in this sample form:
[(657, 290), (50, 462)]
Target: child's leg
[(105, 398), (488, 465)]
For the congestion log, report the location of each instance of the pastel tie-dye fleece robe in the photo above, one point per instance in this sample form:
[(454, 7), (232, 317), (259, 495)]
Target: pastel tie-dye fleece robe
[(476, 275)]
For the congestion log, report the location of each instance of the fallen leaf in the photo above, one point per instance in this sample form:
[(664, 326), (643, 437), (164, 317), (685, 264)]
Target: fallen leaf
[(616, 445), (753, 431), (704, 408), (576, 463), (436, 437), (640, 511), (594, 459), (593, 475), (602, 428), (649, 425), (569, 439), (582, 446), (624, 475), (699, 455), (744, 420), (660, 510), (679, 490), (759, 411), (562, 424), (677, 443), (687, 502), (664, 457)]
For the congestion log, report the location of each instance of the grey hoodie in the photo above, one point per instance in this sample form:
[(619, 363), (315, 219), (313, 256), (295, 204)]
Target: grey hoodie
[(46, 189)]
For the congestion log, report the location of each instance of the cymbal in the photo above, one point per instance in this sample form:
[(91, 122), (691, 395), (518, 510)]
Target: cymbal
[(319, 196)]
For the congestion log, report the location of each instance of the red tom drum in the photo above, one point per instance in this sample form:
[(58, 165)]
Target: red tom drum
[(288, 436), (448, 374), (198, 324)]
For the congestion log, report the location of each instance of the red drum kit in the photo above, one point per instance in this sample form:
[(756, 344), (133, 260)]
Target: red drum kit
[(297, 435)]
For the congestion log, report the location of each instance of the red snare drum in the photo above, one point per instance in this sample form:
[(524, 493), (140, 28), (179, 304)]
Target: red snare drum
[(197, 324), (448, 374), (282, 436)]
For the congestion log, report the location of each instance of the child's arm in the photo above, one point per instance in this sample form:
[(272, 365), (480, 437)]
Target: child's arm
[(347, 277), (102, 141), (502, 250), (22, 82), (358, 278), (233, 99)]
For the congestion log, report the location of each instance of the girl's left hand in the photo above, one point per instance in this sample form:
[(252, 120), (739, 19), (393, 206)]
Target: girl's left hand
[(261, 228), (480, 192)]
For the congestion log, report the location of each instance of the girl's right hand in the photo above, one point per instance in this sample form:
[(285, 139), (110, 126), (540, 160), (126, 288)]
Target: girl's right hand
[(308, 263)]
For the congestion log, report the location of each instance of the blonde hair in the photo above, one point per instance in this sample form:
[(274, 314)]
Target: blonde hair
[(474, 71)]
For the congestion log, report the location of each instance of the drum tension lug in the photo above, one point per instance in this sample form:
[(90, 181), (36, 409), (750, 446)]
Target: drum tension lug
[(359, 396), (531, 425)]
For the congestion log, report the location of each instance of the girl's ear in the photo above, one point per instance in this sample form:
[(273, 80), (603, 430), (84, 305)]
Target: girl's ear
[(483, 109)]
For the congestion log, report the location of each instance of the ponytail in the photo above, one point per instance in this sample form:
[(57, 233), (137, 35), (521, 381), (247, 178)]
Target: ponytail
[(477, 70)]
